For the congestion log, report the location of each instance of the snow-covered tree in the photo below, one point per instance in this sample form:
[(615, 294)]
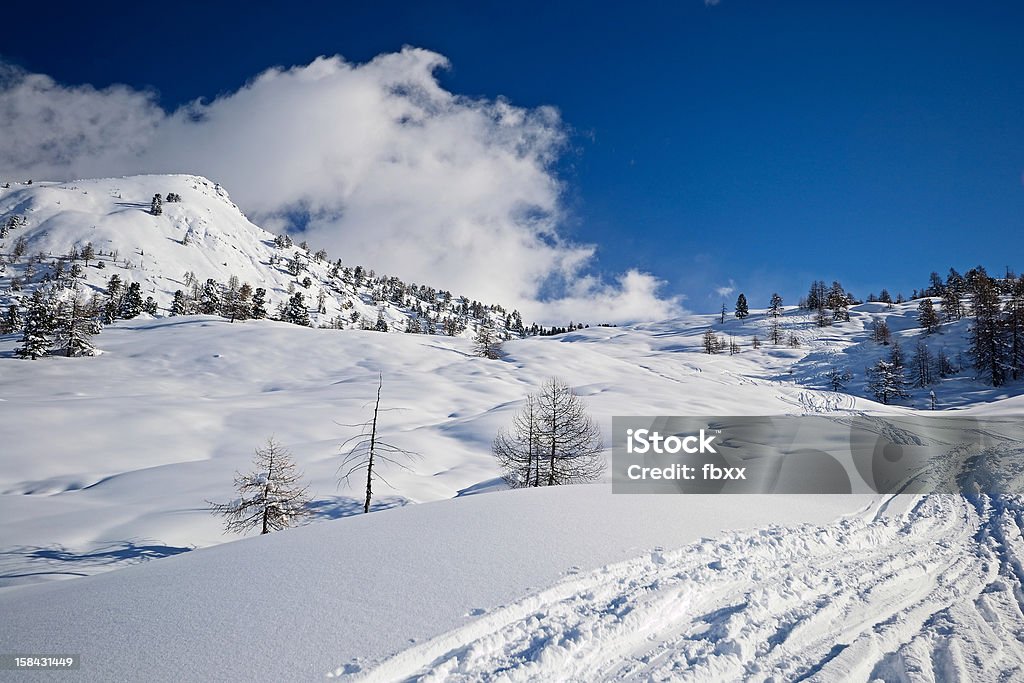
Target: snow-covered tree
[(37, 337), (270, 498), (132, 303), (381, 325), (296, 311), (11, 321), (208, 301), (987, 345), (259, 304), (75, 328), (181, 304), (156, 207), (775, 306), (742, 310), (886, 382)]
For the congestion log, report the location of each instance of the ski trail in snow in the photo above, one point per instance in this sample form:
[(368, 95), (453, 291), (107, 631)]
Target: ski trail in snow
[(927, 594)]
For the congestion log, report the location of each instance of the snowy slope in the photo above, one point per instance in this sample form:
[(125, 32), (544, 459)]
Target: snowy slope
[(110, 460), (204, 234), (298, 604)]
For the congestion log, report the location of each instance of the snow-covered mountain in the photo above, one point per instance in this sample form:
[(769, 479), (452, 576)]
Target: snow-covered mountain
[(110, 460), (202, 236)]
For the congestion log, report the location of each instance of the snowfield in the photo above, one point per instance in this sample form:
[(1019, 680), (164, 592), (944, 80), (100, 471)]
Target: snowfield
[(109, 462)]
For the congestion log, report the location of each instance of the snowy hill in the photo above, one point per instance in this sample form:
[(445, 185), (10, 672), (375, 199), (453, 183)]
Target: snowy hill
[(112, 460), (203, 236)]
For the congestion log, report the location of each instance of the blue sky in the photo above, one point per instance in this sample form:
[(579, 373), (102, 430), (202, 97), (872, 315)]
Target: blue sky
[(748, 144)]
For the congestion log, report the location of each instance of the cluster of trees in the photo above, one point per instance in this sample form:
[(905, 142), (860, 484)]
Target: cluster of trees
[(52, 324), (552, 440), (891, 376), (234, 300)]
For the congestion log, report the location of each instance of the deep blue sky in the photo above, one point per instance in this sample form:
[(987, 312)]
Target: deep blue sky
[(767, 142)]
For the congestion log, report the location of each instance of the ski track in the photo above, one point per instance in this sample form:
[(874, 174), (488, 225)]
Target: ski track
[(934, 593)]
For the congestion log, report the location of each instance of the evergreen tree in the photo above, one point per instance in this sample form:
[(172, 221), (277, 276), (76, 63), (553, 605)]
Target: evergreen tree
[(180, 304), (742, 311), (150, 306), (208, 302), (12, 321), (295, 311), (775, 332), (88, 253), (987, 347), (886, 382), (775, 306), (837, 380), (381, 325), (156, 207), (1014, 322), (37, 337), (258, 311), (926, 315), (132, 303)]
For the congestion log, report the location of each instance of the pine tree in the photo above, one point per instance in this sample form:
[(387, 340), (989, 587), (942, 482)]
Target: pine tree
[(886, 382), (88, 253), (1014, 322), (150, 306), (741, 308), (12, 321), (837, 379), (258, 311), (880, 333), (180, 303), (37, 337), (208, 302), (132, 303), (295, 311), (926, 316), (775, 332), (381, 325), (270, 498), (156, 207), (775, 306), (987, 346)]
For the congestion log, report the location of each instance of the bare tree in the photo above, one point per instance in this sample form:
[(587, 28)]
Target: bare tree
[(270, 497), (367, 450), (553, 440), (518, 449)]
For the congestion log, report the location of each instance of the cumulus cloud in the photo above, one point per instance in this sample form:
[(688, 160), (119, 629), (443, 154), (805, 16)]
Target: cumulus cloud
[(376, 161)]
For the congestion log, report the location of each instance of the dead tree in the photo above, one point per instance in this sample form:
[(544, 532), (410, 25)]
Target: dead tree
[(366, 451)]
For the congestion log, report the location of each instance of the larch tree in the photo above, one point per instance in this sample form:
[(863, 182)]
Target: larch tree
[(271, 497), (570, 439)]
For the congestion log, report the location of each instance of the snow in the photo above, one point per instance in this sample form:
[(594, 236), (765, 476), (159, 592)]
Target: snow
[(301, 603), (109, 463)]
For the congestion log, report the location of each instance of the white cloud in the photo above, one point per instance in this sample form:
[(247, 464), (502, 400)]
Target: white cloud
[(726, 290), (391, 170)]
